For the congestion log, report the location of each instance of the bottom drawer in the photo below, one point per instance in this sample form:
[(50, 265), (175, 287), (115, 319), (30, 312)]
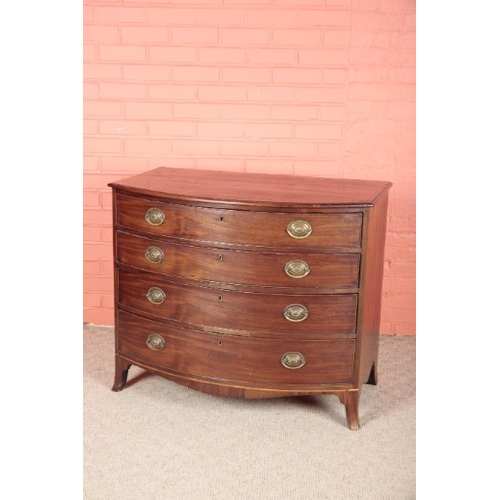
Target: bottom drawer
[(234, 358)]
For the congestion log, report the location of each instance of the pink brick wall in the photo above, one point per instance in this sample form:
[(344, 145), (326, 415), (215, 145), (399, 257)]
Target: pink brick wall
[(304, 87)]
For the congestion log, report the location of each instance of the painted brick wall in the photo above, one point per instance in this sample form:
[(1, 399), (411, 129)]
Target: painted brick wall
[(304, 87)]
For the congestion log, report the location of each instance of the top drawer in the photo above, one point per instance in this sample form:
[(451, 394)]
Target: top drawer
[(239, 227)]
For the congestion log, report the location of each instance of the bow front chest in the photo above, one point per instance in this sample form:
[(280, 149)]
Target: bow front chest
[(249, 285)]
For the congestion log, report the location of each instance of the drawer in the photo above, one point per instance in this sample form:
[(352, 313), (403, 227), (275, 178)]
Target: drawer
[(237, 312), (235, 359), (239, 227), (239, 267)]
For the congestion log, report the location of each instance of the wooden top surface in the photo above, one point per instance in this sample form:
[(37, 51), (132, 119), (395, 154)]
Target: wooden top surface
[(250, 189)]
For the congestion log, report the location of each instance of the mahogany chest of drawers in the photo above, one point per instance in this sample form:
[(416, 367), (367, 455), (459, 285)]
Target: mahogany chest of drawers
[(250, 285)]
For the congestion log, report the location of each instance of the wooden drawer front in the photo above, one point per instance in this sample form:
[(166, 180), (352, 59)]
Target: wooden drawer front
[(223, 310), (238, 227), (237, 359), (231, 266)]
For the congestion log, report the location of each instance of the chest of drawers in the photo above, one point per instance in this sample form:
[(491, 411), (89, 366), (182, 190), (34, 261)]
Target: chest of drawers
[(249, 285)]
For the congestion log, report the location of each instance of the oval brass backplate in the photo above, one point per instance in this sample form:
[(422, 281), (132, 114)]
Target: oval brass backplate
[(293, 360), (155, 342), (296, 313), (299, 229), (155, 216), (154, 255), (297, 269), (156, 295)]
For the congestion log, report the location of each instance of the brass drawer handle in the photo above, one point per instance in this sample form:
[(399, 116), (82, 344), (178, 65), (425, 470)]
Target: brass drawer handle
[(155, 216), (297, 269), (154, 254), (156, 295), (299, 229), (155, 342), (296, 313), (293, 360)]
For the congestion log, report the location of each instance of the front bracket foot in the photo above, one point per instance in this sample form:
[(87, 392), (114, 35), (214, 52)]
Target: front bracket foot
[(121, 373), (373, 378), (350, 399)]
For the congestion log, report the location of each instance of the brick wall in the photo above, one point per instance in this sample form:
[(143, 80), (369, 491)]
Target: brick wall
[(305, 87)]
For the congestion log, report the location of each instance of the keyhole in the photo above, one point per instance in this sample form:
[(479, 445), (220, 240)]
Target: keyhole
[(220, 342), (220, 257), (222, 218), (219, 298)]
